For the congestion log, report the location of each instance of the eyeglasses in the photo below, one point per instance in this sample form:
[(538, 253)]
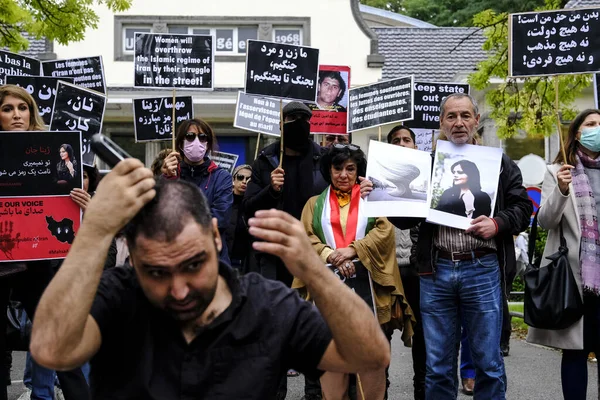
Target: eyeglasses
[(242, 178), (351, 147), (191, 136), (337, 138)]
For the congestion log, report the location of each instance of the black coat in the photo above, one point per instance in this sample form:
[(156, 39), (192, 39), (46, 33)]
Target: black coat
[(451, 202)]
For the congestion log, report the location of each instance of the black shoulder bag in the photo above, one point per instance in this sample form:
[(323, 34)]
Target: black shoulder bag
[(552, 299)]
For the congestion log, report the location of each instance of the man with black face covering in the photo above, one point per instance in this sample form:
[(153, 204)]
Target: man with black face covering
[(287, 188)]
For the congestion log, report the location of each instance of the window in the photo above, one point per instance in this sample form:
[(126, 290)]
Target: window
[(287, 35), (129, 37), (228, 41)]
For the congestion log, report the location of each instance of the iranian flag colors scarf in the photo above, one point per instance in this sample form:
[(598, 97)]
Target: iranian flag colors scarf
[(327, 223)]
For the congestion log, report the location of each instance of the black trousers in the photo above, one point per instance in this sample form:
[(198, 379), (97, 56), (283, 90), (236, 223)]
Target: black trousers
[(27, 287)]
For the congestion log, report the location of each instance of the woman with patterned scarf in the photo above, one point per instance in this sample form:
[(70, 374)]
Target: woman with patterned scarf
[(340, 233), (571, 200)]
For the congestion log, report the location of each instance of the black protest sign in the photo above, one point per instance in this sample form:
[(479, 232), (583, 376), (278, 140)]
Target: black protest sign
[(381, 103), (173, 61), (86, 72), (597, 90), (225, 160), (41, 88), (427, 99), (257, 114), (554, 42), (38, 163), (360, 283), (16, 64), (153, 118), (281, 70), (78, 109)]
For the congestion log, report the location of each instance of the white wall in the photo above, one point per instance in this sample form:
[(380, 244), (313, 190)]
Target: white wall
[(333, 30)]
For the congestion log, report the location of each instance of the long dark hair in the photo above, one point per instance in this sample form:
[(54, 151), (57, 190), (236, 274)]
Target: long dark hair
[(69, 149), (338, 156), (471, 170), (571, 143)]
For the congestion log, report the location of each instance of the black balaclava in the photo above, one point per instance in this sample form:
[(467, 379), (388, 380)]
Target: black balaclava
[(296, 134)]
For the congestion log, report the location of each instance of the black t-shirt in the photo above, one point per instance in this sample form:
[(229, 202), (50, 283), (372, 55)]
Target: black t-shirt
[(242, 354)]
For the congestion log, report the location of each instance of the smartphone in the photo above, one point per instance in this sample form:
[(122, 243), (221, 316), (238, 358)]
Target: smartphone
[(107, 150)]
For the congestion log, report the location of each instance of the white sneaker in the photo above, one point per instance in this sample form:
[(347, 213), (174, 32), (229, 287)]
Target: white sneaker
[(26, 395)]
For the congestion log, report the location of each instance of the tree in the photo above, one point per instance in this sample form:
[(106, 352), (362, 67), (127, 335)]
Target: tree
[(389, 5), (526, 103), (62, 21)]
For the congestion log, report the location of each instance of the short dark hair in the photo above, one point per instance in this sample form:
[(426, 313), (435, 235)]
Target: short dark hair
[(336, 157), (399, 128), (470, 169), (203, 127), (338, 77), (165, 216)]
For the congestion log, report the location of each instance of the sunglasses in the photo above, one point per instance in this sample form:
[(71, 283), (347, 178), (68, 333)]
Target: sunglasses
[(191, 136), (339, 138), (351, 147), (242, 178)]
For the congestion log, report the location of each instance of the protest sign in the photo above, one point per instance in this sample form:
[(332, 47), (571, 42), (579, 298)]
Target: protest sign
[(330, 109), (597, 90), (257, 114), (78, 109), (464, 183), (427, 99), (281, 70), (554, 42), (381, 103), (225, 160), (16, 64), (86, 72), (41, 88), (153, 117), (400, 178), (173, 61), (360, 283), (38, 218)]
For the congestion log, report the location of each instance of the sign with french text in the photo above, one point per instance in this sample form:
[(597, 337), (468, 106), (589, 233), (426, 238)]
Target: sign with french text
[(281, 70), (153, 117), (173, 61), (381, 103), (78, 109), (38, 218), (42, 89), (554, 42), (225, 160), (86, 72), (257, 114), (16, 64)]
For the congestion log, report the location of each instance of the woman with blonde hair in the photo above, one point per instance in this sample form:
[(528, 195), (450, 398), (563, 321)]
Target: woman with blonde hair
[(17, 105)]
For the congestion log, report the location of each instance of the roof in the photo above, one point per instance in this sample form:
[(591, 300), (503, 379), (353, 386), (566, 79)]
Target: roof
[(36, 46), (582, 3), (403, 19), (430, 54)]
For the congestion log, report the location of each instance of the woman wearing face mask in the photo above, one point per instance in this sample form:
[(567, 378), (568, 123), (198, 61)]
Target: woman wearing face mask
[(195, 141), (571, 200), (25, 282)]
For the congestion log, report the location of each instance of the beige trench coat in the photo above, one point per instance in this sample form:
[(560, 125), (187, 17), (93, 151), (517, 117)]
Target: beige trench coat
[(555, 209)]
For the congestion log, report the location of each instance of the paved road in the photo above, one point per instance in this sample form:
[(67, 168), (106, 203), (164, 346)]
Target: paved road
[(533, 374)]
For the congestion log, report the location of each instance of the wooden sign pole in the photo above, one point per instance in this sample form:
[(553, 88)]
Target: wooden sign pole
[(281, 149), (173, 130), (379, 133), (558, 124), (257, 146)]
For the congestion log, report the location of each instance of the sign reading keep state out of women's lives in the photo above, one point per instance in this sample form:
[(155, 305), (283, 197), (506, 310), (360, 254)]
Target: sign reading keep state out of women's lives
[(554, 42), (173, 61)]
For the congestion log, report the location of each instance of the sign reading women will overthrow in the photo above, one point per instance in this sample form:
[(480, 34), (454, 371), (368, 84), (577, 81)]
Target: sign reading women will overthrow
[(173, 61), (381, 103), (554, 42), (281, 70)]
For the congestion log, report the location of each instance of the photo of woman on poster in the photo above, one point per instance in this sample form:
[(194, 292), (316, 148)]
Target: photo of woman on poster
[(66, 168), (465, 198)]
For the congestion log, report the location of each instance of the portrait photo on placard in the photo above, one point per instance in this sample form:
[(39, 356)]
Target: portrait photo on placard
[(67, 167), (464, 183), (400, 178), (332, 91)]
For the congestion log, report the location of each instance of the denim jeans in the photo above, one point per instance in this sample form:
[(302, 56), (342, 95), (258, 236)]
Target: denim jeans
[(472, 288), (467, 370), (39, 379)]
